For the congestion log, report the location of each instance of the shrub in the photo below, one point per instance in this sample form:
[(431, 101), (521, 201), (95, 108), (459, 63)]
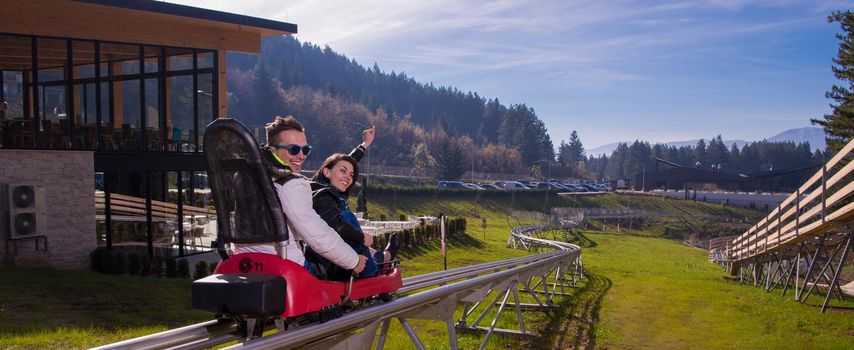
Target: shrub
[(401, 217), (118, 263), (157, 266), (183, 269), (171, 268), (382, 217), (99, 259), (202, 270), (145, 267), (134, 264)]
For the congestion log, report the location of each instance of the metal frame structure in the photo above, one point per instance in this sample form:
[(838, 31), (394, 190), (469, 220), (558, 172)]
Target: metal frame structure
[(806, 241), (541, 277)]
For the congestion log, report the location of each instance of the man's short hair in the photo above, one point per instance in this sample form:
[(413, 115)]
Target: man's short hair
[(281, 124)]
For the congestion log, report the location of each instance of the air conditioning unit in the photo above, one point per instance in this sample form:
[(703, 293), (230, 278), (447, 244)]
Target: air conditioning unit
[(22, 210)]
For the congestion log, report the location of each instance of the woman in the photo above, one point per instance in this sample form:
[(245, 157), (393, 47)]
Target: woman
[(331, 188)]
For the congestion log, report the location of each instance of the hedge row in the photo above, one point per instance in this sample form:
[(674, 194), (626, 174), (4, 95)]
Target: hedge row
[(135, 264), (425, 233)]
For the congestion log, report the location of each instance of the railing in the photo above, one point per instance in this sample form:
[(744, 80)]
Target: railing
[(818, 206), (804, 243), (130, 205), (470, 285)]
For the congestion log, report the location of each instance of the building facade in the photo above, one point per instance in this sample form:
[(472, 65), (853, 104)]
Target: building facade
[(103, 109)]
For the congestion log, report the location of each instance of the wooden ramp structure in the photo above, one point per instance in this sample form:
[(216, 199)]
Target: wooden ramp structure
[(805, 242)]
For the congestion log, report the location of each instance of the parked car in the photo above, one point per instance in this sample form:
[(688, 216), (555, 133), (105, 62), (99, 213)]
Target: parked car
[(471, 186), (490, 187), (451, 184), (527, 183), (561, 187), (550, 186), (603, 187), (577, 188), (515, 185), (589, 187)]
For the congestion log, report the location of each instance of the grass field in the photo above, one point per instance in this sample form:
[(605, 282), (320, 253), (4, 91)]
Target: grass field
[(664, 295), (42, 308), (642, 291)]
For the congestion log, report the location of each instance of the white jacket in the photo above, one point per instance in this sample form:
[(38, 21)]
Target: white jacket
[(305, 225)]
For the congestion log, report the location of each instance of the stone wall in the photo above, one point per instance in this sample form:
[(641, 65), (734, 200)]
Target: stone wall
[(68, 180)]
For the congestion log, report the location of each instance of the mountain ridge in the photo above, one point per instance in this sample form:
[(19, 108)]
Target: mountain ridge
[(812, 135)]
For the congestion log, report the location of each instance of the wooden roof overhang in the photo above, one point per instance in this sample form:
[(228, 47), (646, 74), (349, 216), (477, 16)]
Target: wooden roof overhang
[(139, 22)]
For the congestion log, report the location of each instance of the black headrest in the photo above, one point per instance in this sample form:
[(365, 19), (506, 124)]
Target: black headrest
[(248, 208)]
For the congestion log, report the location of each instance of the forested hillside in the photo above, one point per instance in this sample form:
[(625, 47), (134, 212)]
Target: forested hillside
[(424, 126), (336, 97)]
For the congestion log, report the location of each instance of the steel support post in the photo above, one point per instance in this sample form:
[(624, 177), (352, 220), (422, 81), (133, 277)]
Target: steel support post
[(810, 266), (835, 281), (452, 334), (518, 310), (383, 334), (411, 333), (495, 320), (821, 275)]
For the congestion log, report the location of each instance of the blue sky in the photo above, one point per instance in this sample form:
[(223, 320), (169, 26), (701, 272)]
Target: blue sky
[(612, 70)]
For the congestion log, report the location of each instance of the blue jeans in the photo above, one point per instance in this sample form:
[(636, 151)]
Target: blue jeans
[(324, 269)]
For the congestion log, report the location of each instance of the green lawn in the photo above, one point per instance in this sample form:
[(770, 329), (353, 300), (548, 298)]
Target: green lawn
[(665, 295), (641, 291), (42, 308)]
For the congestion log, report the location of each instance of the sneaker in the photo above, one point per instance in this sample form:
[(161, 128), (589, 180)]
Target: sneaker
[(393, 245)]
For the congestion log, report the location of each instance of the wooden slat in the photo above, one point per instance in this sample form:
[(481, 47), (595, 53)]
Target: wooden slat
[(120, 203), (782, 228)]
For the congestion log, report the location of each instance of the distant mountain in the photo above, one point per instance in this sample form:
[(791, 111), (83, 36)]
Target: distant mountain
[(609, 148), (604, 149), (814, 136)]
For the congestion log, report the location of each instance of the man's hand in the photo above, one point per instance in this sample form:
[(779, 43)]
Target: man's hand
[(369, 239), (368, 136), (361, 264)]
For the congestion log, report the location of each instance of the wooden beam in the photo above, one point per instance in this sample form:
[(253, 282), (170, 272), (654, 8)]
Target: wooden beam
[(118, 113), (222, 85)]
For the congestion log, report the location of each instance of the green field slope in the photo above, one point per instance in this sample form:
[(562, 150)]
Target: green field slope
[(645, 289)]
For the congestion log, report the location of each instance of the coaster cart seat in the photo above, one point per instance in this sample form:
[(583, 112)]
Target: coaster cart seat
[(255, 288)]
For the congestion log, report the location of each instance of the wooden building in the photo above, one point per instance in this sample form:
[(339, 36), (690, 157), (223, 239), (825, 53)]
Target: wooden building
[(111, 96)]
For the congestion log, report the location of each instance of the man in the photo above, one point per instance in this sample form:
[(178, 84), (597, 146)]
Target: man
[(285, 152)]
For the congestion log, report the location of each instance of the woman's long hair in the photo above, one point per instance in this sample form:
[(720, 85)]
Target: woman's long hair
[(330, 162)]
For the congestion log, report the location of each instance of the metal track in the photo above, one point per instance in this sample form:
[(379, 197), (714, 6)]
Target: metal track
[(546, 273)]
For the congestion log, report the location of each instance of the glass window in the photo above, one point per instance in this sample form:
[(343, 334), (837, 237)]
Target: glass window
[(83, 59), (124, 57), (85, 116), (179, 59), (153, 137), (13, 95), (180, 120), (206, 112), (52, 56), (16, 52), (127, 114), (152, 59), (54, 127), (206, 59)]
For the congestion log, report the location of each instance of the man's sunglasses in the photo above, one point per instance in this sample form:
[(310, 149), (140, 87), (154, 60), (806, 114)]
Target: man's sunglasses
[(294, 149)]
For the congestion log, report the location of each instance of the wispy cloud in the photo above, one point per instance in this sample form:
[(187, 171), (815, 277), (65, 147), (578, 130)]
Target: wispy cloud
[(575, 58)]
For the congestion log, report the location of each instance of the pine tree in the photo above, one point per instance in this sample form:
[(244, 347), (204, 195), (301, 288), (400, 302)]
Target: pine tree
[(839, 126), (449, 160)]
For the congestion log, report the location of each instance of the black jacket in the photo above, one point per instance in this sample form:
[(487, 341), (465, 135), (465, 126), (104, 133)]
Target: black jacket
[(328, 205)]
